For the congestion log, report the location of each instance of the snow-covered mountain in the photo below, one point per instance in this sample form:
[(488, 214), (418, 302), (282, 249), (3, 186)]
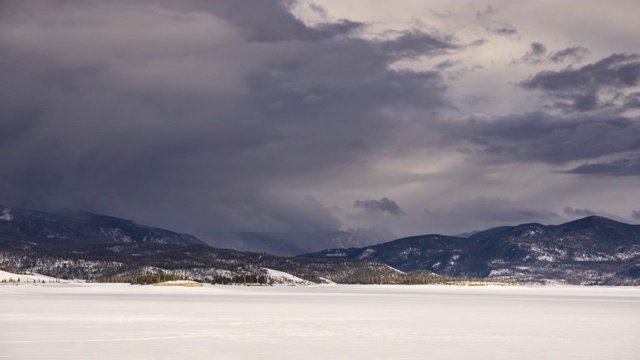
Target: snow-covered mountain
[(593, 250)]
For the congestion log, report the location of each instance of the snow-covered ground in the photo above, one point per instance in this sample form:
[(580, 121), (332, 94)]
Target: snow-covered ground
[(280, 277), (34, 278), (116, 321)]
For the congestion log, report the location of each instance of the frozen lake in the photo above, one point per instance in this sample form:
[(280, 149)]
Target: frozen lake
[(100, 321)]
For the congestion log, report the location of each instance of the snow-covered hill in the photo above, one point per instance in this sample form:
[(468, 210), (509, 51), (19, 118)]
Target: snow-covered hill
[(7, 277)]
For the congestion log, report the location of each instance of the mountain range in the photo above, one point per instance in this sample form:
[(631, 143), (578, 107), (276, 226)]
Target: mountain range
[(299, 242), (82, 245), (593, 250), (590, 251), (70, 230)]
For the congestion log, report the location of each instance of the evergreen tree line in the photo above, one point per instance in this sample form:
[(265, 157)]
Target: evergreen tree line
[(147, 279), (12, 280), (245, 279)]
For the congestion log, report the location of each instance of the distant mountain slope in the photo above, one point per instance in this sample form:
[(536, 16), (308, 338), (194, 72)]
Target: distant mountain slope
[(82, 245), (296, 243), (593, 250), (78, 230)]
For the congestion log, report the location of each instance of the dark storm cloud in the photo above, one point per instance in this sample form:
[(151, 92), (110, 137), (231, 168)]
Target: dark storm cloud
[(311, 208), (585, 102), (577, 89), (379, 206), (483, 210), (579, 212), (270, 20), (223, 116), (617, 70), (547, 138), (618, 167), (632, 101), (541, 137), (198, 116)]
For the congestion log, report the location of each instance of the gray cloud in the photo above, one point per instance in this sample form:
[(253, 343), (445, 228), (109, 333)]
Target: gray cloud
[(586, 101), (575, 53), (487, 16), (547, 138), (538, 54), (379, 206), (447, 64), (269, 21), (632, 101), (578, 212), (618, 167), (484, 210), (485, 13), (620, 70), (503, 28), (578, 89), (635, 214), (342, 27), (414, 43)]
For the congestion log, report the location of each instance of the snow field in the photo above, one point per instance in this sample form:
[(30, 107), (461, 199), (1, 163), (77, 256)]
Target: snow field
[(7, 276), (116, 321)]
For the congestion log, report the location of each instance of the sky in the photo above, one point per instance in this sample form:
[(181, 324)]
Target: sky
[(409, 116)]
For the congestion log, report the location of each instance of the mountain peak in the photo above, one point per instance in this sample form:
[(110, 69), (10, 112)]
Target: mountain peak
[(590, 222)]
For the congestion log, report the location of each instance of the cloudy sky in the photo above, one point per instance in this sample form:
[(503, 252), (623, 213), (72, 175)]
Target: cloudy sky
[(298, 116)]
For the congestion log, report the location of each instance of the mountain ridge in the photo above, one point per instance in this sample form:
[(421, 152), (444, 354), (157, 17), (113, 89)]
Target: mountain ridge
[(73, 229), (89, 246), (591, 250)]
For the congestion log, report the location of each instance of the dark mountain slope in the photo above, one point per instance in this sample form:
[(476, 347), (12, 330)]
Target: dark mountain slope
[(82, 231), (296, 243), (485, 234), (593, 250)]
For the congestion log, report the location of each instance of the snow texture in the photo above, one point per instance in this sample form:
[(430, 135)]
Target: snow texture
[(6, 215), (37, 278), (285, 278), (116, 321)]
